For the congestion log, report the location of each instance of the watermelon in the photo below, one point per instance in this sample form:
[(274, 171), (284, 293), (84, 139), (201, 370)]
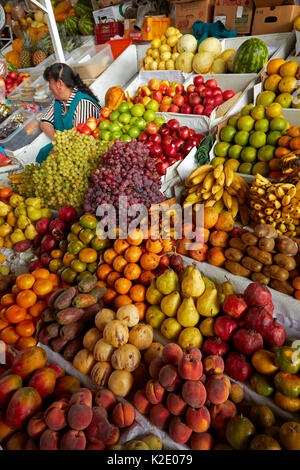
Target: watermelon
[(251, 56), (83, 10), (86, 26), (71, 24)]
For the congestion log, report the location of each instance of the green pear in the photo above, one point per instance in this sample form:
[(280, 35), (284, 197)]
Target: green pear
[(170, 303), (15, 200), (208, 282), (23, 221), (192, 284), (34, 213), (136, 445), (208, 304), (20, 210), (167, 282), (185, 272), (153, 295), (224, 290), (153, 442), (154, 316), (35, 202), (187, 314), (46, 213)]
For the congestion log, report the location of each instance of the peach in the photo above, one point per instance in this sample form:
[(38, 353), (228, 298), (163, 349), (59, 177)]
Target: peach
[(169, 378), (236, 393), (66, 385), (49, 440), (154, 367), (83, 395), (198, 420), (30, 444), (141, 402), (79, 416), (213, 365), (215, 256), (203, 378), (221, 414), (175, 404), (225, 222), (99, 429), (154, 391), (36, 425), (179, 431), (190, 368), (201, 441), (59, 372), (105, 398), (172, 353), (99, 446), (17, 441), (140, 375), (194, 352), (217, 390), (154, 350), (73, 440), (123, 415), (194, 393), (56, 416), (218, 238), (8, 385), (114, 436), (43, 380), (159, 415)]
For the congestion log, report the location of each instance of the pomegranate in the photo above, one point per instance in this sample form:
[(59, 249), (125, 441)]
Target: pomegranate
[(224, 327), (247, 341), (215, 346), (48, 243), (35, 265), (67, 213), (269, 308), (234, 305), (176, 262), (37, 240), (57, 227), (258, 319), (238, 367), (257, 295), (275, 335), (42, 225), (45, 259)]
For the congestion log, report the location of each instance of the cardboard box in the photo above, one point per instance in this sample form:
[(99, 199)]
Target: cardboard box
[(184, 15), (152, 27), (235, 14), (273, 3), (274, 19), (113, 13)]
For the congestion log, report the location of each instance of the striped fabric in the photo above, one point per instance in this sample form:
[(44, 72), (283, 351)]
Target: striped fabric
[(84, 110)]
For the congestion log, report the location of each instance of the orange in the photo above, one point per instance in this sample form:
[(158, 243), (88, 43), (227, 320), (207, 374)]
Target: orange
[(274, 164), (7, 300), (133, 254), (25, 281), (142, 307), (295, 143), (274, 66), (15, 290), (119, 263), (3, 324), (273, 110), (135, 237), (88, 255), (37, 309), (271, 83), (9, 335), (101, 284), (122, 285), (42, 287), (283, 141), (103, 271), (149, 261), (109, 255), (112, 277), (5, 193), (120, 246), (41, 273), (2, 313), (296, 282), (67, 259), (297, 294), (281, 151), (138, 293), (26, 342), (54, 278), (109, 296), (25, 328), (154, 246), (57, 254), (146, 277), (26, 298), (122, 299), (132, 271)]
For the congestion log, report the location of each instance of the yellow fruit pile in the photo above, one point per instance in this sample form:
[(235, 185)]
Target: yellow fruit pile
[(282, 81), (163, 53)]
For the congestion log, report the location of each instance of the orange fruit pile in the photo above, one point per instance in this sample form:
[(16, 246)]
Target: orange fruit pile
[(21, 309)]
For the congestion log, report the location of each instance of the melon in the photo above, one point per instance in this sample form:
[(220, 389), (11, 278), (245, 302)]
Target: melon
[(202, 62), (187, 43), (251, 56), (71, 24), (211, 45), (184, 62), (219, 66), (86, 26)]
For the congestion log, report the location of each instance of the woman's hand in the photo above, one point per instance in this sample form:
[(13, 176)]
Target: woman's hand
[(48, 129)]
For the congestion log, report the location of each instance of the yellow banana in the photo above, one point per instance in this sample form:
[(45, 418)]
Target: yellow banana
[(193, 189), (219, 194), (221, 179), (228, 175), (217, 171), (198, 171), (286, 200), (194, 197), (279, 192), (198, 179), (216, 188), (219, 206), (292, 192), (244, 214), (234, 206), (207, 195), (227, 199), (209, 181), (231, 191), (210, 203)]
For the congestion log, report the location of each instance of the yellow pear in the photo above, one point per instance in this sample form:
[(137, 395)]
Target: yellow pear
[(23, 221), (17, 236), (30, 232), (170, 304), (187, 314), (11, 219), (4, 209), (5, 229), (34, 202), (15, 200), (20, 210), (46, 213), (170, 328), (7, 242), (34, 213), (153, 296), (167, 282), (208, 304), (192, 284), (154, 316)]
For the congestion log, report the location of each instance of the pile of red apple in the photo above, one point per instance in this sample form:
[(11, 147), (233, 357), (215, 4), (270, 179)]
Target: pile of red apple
[(199, 98), (170, 143), (247, 325), (13, 80)]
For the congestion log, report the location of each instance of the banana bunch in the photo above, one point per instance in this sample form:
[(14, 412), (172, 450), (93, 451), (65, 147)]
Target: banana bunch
[(276, 204), (290, 163), (218, 187), (15, 178)]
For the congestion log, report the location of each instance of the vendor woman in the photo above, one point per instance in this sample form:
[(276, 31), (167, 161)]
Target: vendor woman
[(73, 103)]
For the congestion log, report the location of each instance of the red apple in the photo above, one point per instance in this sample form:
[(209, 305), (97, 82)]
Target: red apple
[(172, 160), (217, 91), (198, 109), (218, 99), (179, 156), (208, 102), (163, 88), (186, 148), (167, 100), (184, 133), (174, 109), (191, 88), (179, 89), (227, 94), (194, 99), (162, 168), (167, 139), (186, 99), (156, 150), (198, 80), (192, 141), (164, 130), (208, 92), (164, 108), (208, 110), (151, 128), (178, 100), (212, 83), (148, 144), (143, 137), (157, 96), (173, 125), (199, 88), (170, 92), (178, 142), (186, 109), (192, 133), (145, 91), (170, 150), (155, 138)]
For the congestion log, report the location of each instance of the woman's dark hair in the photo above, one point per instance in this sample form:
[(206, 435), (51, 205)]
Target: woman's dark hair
[(71, 79)]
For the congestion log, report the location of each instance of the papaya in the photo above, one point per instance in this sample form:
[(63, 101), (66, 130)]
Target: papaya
[(54, 296), (24, 403), (72, 330), (84, 300), (69, 315), (8, 385), (64, 300), (87, 284), (43, 380), (98, 292), (68, 384), (28, 360)]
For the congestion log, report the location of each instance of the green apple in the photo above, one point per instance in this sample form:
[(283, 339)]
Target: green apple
[(137, 110), (149, 115)]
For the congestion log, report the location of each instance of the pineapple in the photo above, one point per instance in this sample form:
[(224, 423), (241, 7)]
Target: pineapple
[(42, 49), (25, 55)]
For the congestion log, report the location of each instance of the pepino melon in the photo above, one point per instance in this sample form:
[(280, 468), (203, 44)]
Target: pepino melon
[(211, 45), (184, 62), (251, 56), (187, 43)]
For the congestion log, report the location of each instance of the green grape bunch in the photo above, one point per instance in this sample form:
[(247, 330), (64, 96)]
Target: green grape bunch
[(64, 176)]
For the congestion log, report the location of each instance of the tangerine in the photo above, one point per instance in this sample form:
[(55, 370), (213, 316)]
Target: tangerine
[(101, 284), (142, 308), (132, 271), (25, 328), (9, 335), (67, 259), (109, 255), (121, 300), (135, 237), (88, 255), (42, 287), (274, 66), (120, 246), (133, 254), (119, 263), (3, 324), (26, 298), (41, 273), (296, 282), (110, 296), (138, 293), (154, 246), (146, 277), (122, 285), (25, 281), (37, 309), (112, 277), (7, 300), (103, 271), (149, 261), (26, 342), (56, 254)]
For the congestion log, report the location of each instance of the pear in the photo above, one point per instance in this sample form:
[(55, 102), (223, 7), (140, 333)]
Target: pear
[(208, 282), (46, 213), (154, 316), (17, 236), (15, 200), (167, 282), (11, 219), (187, 314), (208, 304), (4, 209), (185, 272), (20, 210), (170, 303), (5, 229), (153, 295), (192, 284), (30, 232), (34, 213), (224, 290), (34, 202), (170, 328), (153, 442), (136, 445), (23, 221)]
